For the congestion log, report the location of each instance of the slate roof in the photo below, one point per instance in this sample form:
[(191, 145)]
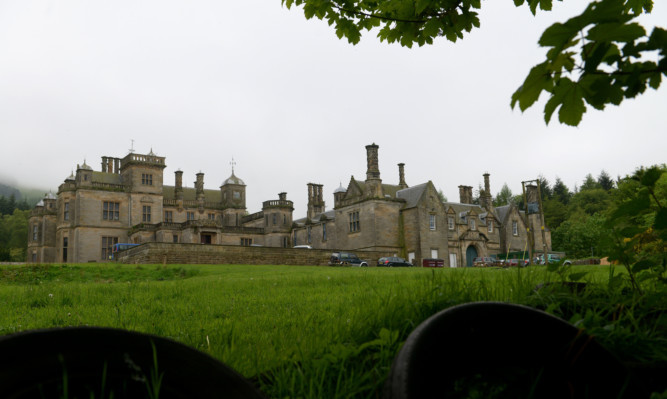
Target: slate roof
[(411, 195), (502, 212), (190, 194), (108, 178), (329, 215)]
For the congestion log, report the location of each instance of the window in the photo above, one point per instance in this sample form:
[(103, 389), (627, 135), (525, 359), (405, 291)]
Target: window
[(190, 216), (111, 210), (354, 221), (266, 219), (294, 239), (275, 218), (284, 219), (434, 254), (34, 233), (146, 214), (473, 226), (236, 195), (246, 242), (515, 228), (174, 238), (107, 244), (450, 222), (66, 211), (431, 222), (324, 232), (211, 216), (308, 230), (284, 242), (65, 242), (490, 224), (146, 179), (168, 216)]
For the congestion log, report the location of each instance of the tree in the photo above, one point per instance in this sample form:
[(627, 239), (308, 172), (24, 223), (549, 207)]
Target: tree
[(605, 181), (545, 188), (580, 237), (594, 58), (589, 183), (503, 197), (590, 202), (561, 192), (442, 196)]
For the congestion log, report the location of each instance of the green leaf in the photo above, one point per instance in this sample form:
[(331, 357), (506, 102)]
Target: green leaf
[(576, 276), (641, 265), (660, 219), (537, 80), (616, 32), (569, 96), (650, 176), (421, 5), (553, 267)]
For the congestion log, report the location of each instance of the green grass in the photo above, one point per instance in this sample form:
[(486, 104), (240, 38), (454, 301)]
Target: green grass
[(312, 331)]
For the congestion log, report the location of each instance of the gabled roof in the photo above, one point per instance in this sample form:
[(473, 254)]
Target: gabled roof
[(502, 212), (412, 195)]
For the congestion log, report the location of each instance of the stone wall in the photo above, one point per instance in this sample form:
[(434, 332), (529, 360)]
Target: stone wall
[(170, 253)]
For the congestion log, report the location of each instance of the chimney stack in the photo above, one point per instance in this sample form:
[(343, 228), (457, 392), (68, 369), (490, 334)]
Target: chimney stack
[(315, 200), (486, 198), (199, 186), (373, 181), (401, 176), (373, 169), (178, 189)]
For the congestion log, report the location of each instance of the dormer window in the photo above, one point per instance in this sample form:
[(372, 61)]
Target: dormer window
[(490, 224), (450, 222)]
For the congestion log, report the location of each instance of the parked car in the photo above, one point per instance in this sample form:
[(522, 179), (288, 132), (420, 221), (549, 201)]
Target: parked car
[(346, 258), (483, 262), (302, 247), (390, 261), (516, 262), (552, 259)]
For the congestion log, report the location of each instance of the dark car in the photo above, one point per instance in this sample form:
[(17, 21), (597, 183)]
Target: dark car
[(391, 261), (516, 262), (346, 258)]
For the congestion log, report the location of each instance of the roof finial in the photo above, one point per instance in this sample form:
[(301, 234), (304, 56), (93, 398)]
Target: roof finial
[(132, 146), (233, 163)]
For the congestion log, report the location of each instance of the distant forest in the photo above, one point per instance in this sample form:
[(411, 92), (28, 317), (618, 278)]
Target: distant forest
[(14, 214)]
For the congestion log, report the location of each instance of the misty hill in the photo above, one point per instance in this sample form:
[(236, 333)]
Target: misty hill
[(8, 191)]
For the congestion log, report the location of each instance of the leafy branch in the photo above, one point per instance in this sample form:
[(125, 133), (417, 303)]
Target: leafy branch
[(612, 62), (613, 59)]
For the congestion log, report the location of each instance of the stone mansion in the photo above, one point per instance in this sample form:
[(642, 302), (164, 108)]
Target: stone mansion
[(128, 202)]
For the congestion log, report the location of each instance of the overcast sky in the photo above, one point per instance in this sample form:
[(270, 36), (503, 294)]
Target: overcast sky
[(204, 81)]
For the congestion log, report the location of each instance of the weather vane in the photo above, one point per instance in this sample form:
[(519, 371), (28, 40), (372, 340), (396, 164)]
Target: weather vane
[(132, 146), (233, 163)]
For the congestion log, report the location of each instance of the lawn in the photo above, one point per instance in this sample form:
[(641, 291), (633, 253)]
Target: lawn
[(315, 331)]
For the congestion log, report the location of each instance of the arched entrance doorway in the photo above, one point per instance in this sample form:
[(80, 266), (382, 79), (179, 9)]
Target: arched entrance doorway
[(471, 254)]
